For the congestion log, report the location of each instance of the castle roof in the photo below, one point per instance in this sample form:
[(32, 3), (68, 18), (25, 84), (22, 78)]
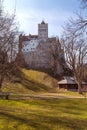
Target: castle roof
[(33, 36), (28, 37), (42, 22)]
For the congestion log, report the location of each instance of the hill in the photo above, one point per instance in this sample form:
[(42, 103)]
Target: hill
[(31, 81)]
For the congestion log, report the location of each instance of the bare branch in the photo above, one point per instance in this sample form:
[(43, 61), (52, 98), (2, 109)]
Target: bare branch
[(8, 44), (75, 46)]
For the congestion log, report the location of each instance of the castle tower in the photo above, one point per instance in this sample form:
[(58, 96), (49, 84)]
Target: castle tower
[(43, 31)]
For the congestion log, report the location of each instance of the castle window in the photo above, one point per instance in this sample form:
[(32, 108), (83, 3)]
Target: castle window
[(32, 48)]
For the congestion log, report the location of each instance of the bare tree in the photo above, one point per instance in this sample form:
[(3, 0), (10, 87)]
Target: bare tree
[(8, 43), (84, 3), (57, 57), (85, 72), (75, 46)]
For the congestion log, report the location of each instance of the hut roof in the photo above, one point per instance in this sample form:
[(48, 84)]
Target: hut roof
[(68, 80)]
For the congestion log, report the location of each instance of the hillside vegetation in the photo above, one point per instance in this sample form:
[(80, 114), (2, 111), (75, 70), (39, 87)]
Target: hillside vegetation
[(31, 81), (37, 83)]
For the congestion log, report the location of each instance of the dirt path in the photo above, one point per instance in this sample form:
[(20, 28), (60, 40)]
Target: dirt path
[(42, 96)]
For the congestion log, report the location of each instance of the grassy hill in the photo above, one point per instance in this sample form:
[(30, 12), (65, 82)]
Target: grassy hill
[(41, 113), (31, 81), (37, 83)]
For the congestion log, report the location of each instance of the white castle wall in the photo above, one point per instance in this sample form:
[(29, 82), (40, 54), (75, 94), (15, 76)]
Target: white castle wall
[(30, 45), (35, 49)]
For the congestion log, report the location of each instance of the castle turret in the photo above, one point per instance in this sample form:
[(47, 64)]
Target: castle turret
[(43, 31)]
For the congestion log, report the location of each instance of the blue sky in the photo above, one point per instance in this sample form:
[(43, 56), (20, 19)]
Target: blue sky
[(31, 12)]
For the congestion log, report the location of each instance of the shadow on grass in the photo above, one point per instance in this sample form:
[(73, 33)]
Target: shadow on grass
[(31, 84), (51, 114), (46, 122), (34, 123)]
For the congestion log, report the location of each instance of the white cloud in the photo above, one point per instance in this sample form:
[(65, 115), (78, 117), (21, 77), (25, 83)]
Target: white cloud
[(29, 18)]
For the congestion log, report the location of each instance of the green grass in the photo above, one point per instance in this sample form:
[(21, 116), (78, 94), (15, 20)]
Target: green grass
[(35, 82), (37, 114), (48, 113), (31, 82)]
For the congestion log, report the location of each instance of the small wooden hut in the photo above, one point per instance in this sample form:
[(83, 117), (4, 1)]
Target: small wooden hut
[(70, 83)]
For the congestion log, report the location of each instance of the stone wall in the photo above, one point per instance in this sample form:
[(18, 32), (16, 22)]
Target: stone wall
[(42, 58)]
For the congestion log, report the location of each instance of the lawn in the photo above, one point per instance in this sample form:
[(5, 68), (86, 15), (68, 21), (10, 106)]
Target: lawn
[(52, 110), (43, 114)]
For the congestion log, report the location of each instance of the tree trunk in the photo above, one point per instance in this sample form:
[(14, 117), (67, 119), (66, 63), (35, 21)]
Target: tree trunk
[(0, 85), (1, 81), (0, 88), (79, 87)]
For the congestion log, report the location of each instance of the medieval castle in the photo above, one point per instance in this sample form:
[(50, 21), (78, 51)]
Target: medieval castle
[(39, 50)]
